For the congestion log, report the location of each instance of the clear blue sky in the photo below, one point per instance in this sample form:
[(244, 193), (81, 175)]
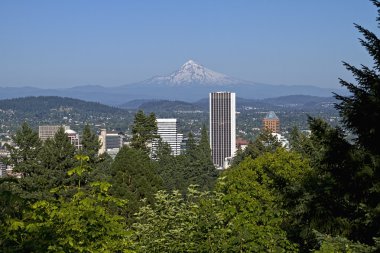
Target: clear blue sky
[(76, 42)]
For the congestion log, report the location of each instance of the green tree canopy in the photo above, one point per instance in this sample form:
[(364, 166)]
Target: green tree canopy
[(90, 144), (144, 130), (134, 177)]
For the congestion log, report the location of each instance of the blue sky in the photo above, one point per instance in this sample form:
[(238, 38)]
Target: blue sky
[(109, 43)]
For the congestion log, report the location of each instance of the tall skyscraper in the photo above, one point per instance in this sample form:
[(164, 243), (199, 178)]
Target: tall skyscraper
[(222, 127), (271, 122), (167, 129)]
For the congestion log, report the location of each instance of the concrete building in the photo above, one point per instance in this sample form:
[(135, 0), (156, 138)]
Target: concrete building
[(46, 132), (167, 129), (281, 139), (3, 167), (74, 138), (271, 122), (110, 142), (222, 127)]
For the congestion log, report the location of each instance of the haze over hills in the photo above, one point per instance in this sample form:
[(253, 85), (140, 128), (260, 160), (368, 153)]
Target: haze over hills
[(189, 83)]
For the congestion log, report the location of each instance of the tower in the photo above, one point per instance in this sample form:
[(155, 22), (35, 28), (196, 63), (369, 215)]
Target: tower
[(271, 122), (167, 129), (222, 127)]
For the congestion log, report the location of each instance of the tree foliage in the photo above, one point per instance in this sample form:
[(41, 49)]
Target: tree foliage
[(90, 144), (134, 177), (144, 130), (82, 223)]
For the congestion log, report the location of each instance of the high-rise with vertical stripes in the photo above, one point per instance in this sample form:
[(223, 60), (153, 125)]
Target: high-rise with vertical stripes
[(167, 129), (222, 127)]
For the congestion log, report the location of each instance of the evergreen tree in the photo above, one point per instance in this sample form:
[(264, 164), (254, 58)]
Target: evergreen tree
[(199, 168), (360, 110), (265, 142), (24, 157), (90, 145), (144, 130), (58, 158), (360, 114), (83, 222), (133, 177), (191, 146)]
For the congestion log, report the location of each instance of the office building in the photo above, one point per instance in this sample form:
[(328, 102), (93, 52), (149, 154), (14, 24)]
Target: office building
[(271, 122), (110, 142), (74, 138), (222, 127), (46, 132), (3, 166), (167, 129)]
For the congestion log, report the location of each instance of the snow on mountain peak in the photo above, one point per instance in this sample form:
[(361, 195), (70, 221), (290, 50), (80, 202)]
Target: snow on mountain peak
[(194, 73)]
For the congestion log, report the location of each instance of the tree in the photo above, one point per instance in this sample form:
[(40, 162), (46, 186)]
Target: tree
[(83, 222), (90, 145), (176, 224), (360, 111), (169, 167), (252, 210), (144, 130), (57, 158), (24, 157), (265, 142), (133, 177), (199, 168), (360, 114)]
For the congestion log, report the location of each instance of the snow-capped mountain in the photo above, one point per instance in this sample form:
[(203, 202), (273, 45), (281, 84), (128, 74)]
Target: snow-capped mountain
[(193, 73), (190, 82)]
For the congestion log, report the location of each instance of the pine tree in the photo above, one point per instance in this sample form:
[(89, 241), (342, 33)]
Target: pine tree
[(144, 130), (24, 157), (199, 168), (361, 114), (133, 177), (90, 145), (360, 111), (58, 158)]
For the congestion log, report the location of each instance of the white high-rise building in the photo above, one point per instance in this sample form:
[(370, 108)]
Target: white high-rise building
[(222, 127), (167, 129)]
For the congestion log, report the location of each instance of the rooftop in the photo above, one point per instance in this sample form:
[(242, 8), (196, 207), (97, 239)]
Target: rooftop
[(271, 115)]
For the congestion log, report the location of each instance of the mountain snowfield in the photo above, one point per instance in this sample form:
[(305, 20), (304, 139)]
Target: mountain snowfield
[(189, 83), (194, 73)]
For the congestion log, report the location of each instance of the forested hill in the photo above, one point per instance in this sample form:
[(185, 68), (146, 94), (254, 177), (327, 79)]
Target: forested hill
[(51, 110), (48, 103)]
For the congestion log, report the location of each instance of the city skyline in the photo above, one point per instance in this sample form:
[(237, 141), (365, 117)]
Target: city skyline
[(73, 43)]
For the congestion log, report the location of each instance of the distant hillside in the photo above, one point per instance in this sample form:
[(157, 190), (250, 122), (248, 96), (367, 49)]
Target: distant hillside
[(167, 105), (134, 104), (48, 103), (54, 110), (293, 101), (191, 82), (299, 100)]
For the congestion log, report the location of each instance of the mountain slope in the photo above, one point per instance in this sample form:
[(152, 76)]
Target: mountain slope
[(193, 73), (189, 83)]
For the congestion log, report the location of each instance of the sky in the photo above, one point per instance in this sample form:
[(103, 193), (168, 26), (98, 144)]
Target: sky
[(58, 44)]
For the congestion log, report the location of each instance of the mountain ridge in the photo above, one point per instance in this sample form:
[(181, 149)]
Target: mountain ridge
[(189, 83)]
